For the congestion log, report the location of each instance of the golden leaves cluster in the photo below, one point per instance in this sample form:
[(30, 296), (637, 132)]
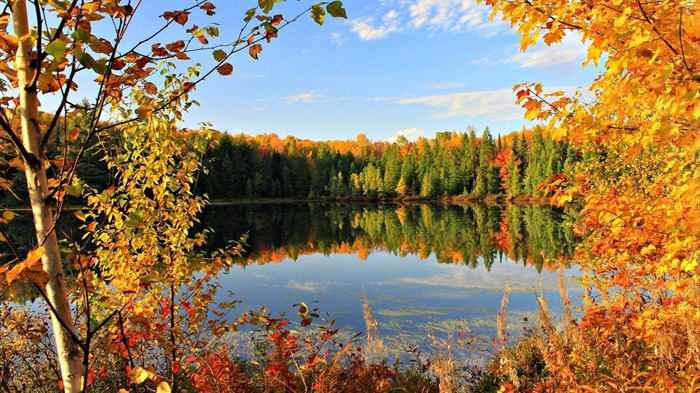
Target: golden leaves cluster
[(640, 174)]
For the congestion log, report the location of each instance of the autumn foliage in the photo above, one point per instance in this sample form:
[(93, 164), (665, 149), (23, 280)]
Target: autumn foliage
[(639, 180)]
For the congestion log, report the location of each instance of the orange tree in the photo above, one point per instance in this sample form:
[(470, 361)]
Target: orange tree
[(639, 182), (47, 47)]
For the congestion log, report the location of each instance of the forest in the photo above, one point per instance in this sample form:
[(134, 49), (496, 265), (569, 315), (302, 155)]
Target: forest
[(453, 164), (450, 164), (128, 301)]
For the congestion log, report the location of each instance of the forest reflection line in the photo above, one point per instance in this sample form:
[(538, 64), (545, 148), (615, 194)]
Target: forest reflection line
[(458, 234)]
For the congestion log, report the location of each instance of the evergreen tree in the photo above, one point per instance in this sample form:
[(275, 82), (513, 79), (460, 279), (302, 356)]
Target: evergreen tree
[(409, 175), (513, 186), (392, 169), (486, 178)]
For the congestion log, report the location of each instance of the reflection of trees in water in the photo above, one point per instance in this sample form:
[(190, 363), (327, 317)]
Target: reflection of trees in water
[(460, 234)]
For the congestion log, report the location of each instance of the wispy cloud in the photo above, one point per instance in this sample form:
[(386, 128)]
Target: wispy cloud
[(412, 134), (307, 97), (444, 86), (568, 51), (480, 61), (493, 104), (338, 39), (519, 279), (308, 286), (367, 30), (432, 15)]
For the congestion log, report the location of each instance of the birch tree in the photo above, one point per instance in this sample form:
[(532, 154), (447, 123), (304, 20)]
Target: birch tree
[(48, 47)]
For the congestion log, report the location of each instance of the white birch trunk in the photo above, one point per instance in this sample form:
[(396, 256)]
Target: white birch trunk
[(69, 354)]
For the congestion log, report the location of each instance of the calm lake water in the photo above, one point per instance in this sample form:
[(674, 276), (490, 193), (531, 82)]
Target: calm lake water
[(424, 269)]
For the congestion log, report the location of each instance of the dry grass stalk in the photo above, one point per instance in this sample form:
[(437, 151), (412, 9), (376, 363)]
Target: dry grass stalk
[(501, 320), (375, 346), (444, 368), (567, 317), (507, 363)]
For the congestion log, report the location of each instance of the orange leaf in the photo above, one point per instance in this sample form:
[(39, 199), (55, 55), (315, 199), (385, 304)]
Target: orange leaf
[(225, 69), (254, 50), (31, 268), (150, 88)]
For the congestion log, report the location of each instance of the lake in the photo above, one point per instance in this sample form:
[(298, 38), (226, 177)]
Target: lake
[(425, 269)]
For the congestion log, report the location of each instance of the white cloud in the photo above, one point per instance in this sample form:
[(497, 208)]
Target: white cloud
[(519, 279), (444, 86), (568, 51), (412, 134), (303, 97), (366, 31), (480, 61), (308, 286), (338, 39), (431, 15), (493, 104)]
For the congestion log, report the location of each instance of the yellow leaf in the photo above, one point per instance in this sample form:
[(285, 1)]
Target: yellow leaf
[(593, 54), (646, 250), (564, 199), (138, 375), (532, 113), (163, 387)]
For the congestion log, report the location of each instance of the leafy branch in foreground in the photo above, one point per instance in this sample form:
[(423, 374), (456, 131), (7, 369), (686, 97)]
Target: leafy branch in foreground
[(54, 46), (639, 180)]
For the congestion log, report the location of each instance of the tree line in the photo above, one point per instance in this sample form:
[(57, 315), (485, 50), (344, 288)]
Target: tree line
[(450, 164)]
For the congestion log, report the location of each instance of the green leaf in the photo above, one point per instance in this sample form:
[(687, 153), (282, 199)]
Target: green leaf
[(56, 49), (85, 59), (81, 35), (213, 31), (219, 55), (134, 219), (266, 5), (249, 15), (74, 190), (318, 14), (336, 10), (61, 5), (100, 65)]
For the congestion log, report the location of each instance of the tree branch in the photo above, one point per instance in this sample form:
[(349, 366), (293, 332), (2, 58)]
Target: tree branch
[(661, 37), (680, 39), (26, 156)]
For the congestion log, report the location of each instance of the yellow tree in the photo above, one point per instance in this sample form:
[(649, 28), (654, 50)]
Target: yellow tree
[(639, 181), (43, 52)]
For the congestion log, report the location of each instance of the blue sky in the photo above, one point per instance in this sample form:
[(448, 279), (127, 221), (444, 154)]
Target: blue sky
[(413, 67)]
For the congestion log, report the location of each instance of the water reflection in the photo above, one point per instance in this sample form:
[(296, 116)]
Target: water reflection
[(425, 268), (456, 234)]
